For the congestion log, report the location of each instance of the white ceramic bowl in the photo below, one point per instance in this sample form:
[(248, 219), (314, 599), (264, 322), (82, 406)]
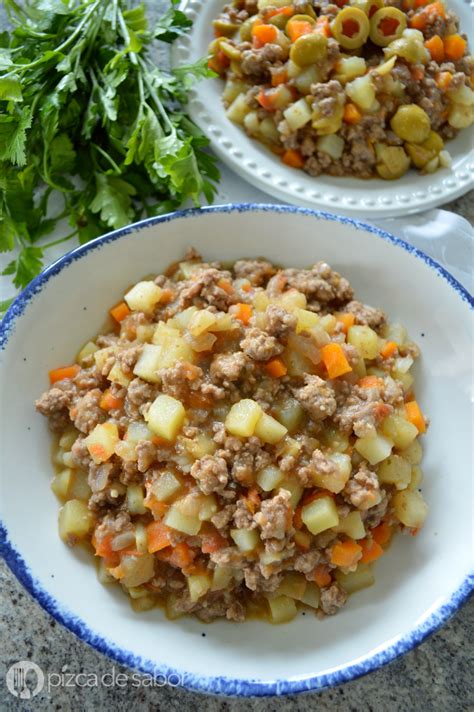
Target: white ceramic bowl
[(419, 583), (350, 196)]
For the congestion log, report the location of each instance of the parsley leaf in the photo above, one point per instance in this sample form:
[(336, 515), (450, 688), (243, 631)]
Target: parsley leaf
[(113, 200)]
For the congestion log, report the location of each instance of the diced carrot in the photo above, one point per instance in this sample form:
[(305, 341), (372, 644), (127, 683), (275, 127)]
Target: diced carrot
[(266, 99), (252, 500), (214, 65), (322, 576), (382, 533), (243, 313), (199, 400), (58, 374), (302, 540), (345, 553), (335, 360), (322, 26), (370, 382), (417, 74), (98, 451), (297, 521), (382, 410), (110, 402), (293, 158), (347, 320), (263, 34), (158, 508), (279, 76), (418, 22), (212, 542), (119, 312), (276, 368), (298, 28), (103, 548), (225, 285), (167, 296), (388, 349), (223, 59), (454, 47), (351, 114), (371, 551), (415, 416), (287, 10), (435, 47), (420, 19), (420, 3), (182, 555), (158, 536), (246, 287), (443, 80)]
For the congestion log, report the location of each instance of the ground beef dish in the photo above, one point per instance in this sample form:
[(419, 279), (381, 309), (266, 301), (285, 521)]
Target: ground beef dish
[(245, 440), (358, 88)]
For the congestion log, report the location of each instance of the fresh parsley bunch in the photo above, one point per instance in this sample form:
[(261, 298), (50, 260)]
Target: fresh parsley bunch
[(86, 114)]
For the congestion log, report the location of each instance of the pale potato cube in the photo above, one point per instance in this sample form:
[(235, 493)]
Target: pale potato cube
[(399, 430), (306, 320), (101, 442), (298, 114), (148, 364), (238, 110), (294, 488), (245, 539), (224, 322), (243, 418), (410, 508), (173, 609), (181, 522), (68, 459), (135, 499), (182, 319), (269, 478), (232, 89), (374, 449), (68, 438), (288, 446), (362, 91), (320, 515), (402, 364), (75, 521), (261, 301), (144, 603), (311, 595), (86, 352), (116, 375), (221, 577), (395, 471), (198, 586), (296, 363), (137, 431), (208, 507), (136, 570), (62, 482), (166, 417), (103, 574), (79, 486), (335, 481), (365, 341), (352, 525), (290, 413), (201, 321), (291, 300), (413, 453), (269, 430), (362, 577), (144, 297), (406, 379), (396, 332), (350, 67), (293, 585), (199, 445), (141, 538), (102, 356), (416, 477), (282, 609), (145, 333), (328, 322)]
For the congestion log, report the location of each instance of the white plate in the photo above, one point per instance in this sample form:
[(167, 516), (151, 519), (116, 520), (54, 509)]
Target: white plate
[(350, 196), (420, 581)]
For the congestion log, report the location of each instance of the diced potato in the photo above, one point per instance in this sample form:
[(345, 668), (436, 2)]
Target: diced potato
[(137, 431), (294, 488), (135, 499), (365, 341), (362, 91), (336, 440), (320, 515), (402, 364), (172, 609), (291, 300), (333, 145), (79, 486), (399, 430), (269, 430), (144, 603), (261, 301), (406, 379), (461, 116), (293, 586), (352, 525), (245, 539), (282, 609), (335, 481), (189, 268), (269, 478), (362, 577), (298, 114), (410, 508), (183, 318), (306, 320), (144, 297), (141, 538), (416, 477), (68, 438), (224, 322), (395, 471), (396, 332), (232, 90), (166, 417), (181, 522), (148, 364), (374, 449), (200, 445), (102, 356), (101, 442), (296, 363), (86, 352), (413, 453), (207, 508), (288, 446), (61, 483), (145, 333), (268, 130), (116, 375), (75, 521), (68, 459), (243, 418), (350, 67), (311, 595), (238, 110), (103, 574), (136, 570), (201, 321), (198, 586), (306, 77), (221, 577)]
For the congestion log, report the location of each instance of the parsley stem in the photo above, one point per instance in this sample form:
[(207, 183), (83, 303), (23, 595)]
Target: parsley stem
[(107, 158), (60, 241)]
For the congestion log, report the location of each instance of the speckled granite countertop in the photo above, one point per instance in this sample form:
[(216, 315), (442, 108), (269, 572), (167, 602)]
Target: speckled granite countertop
[(435, 677)]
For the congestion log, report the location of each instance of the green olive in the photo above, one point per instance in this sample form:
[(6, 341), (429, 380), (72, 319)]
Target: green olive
[(422, 154), (309, 49), (411, 123), (387, 25), (246, 30), (350, 27), (367, 6), (394, 162), (225, 28), (301, 18)]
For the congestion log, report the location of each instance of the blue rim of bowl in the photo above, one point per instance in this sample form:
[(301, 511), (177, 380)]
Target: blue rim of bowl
[(226, 685)]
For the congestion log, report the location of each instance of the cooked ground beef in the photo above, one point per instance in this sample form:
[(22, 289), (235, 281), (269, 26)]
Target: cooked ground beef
[(223, 439)]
